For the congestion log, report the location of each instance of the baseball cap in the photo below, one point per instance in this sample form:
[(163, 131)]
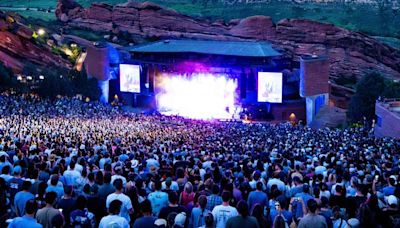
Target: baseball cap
[(394, 178), (180, 219), (134, 163), (160, 223), (17, 169), (392, 200), (353, 222)]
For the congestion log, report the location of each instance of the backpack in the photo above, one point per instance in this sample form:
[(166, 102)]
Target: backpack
[(395, 221), (171, 218)]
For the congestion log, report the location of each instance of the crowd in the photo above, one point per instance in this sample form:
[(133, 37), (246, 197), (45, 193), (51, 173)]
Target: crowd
[(70, 163)]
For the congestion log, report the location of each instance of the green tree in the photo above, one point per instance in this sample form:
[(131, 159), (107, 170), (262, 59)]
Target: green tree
[(392, 89), (6, 77), (362, 104), (86, 87), (56, 82)]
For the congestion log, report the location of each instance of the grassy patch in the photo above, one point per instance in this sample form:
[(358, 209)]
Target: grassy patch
[(87, 3), (389, 41), (89, 35), (29, 3), (361, 18), (38, 15)]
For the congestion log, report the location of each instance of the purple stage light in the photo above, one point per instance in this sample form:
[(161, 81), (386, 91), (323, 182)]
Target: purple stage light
[(197, 96)]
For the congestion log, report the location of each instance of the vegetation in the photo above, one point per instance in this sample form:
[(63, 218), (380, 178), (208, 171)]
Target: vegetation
[(368, 90), (7, 78), (347, 81), (85, 33), (68, 83), (49, 83)]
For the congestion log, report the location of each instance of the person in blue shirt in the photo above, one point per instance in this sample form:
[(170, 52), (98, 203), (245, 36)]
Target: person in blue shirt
[(15, 182), (280, 208), (298, 186), (22, 197), (28, 220), (197, 217), (147, 220), (305, 197), (53, 187), (257, 197), (389, 190), (158, 199)]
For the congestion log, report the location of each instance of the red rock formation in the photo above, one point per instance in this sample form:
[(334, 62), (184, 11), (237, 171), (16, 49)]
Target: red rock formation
[(349, 52), (65, 7), (17, 47)]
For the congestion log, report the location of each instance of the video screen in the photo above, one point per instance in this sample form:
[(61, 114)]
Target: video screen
[(196, 96), (269, 87), (129, 78)]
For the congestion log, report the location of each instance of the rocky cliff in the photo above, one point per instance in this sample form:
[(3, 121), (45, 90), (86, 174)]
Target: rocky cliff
[(17, 46), (350, 53)]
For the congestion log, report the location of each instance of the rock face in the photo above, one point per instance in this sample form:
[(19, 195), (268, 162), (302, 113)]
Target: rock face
[(350, 53), (17, 47)]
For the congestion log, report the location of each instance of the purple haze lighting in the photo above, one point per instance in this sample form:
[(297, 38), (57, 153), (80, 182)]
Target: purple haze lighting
[(198, 96), (190, 67)]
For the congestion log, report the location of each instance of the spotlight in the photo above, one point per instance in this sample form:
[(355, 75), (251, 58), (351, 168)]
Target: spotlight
[(68, 52), (41, 77), (19, 78), (29, 78), (41, 32)]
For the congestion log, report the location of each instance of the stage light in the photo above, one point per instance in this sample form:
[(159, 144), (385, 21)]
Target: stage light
[(41, 32), (19, 78), (29, 78), (68, 51), (41, 77)]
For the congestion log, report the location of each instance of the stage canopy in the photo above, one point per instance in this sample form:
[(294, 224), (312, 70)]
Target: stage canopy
[(229, 48)]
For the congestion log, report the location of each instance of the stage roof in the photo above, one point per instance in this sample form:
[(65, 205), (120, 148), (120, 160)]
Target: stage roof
[(231, 48)]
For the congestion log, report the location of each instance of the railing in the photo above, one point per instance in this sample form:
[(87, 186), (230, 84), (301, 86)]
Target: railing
[(388, 100), (392, 99)]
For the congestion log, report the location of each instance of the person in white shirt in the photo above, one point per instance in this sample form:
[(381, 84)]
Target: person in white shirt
[(117, 175), (256, 179), (113, 219), (126, 207), (224, 212)]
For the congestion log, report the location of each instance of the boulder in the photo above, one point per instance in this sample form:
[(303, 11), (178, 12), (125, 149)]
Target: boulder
[(64, 6), (17, 47), (255, 27)]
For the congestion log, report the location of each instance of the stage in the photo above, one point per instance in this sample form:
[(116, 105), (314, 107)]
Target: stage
[(207, 80)]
